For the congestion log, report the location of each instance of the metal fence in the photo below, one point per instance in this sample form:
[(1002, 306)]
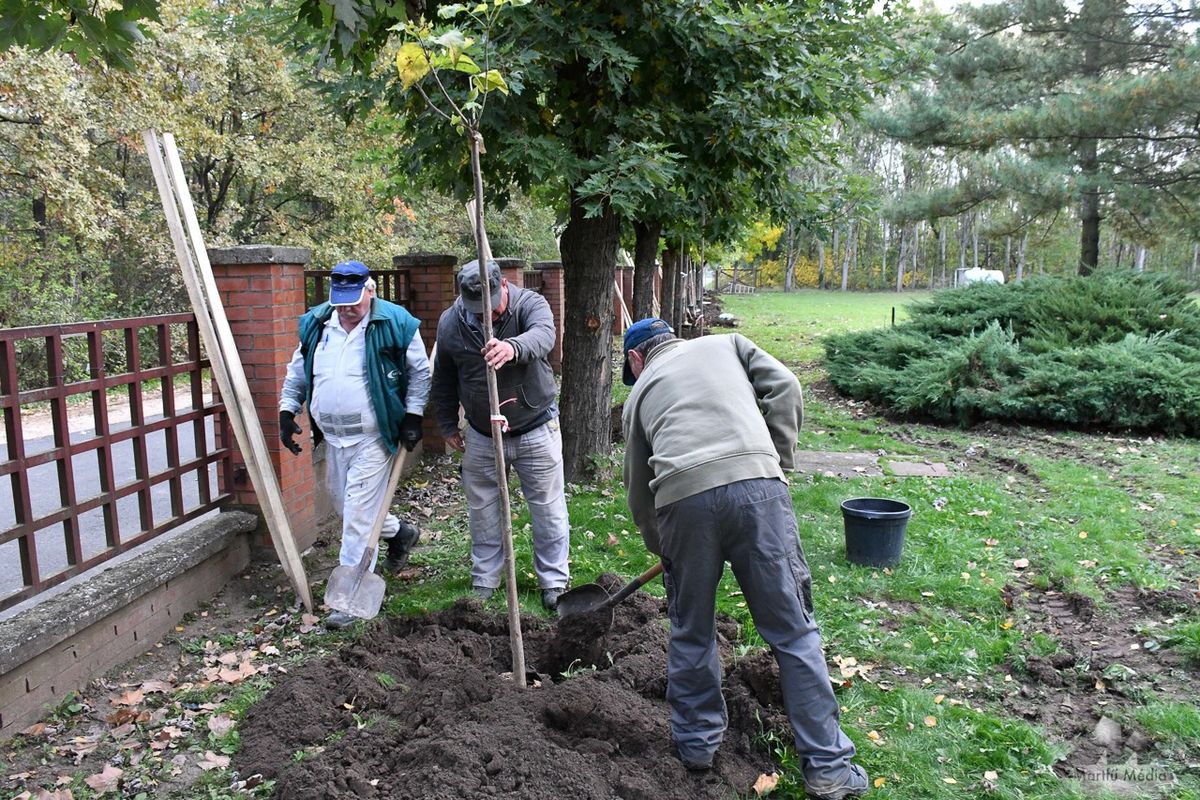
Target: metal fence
[(391, 284), (102, 450)]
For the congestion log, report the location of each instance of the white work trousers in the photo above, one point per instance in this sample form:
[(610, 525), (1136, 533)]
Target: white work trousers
[(537, 458), (357, 477)]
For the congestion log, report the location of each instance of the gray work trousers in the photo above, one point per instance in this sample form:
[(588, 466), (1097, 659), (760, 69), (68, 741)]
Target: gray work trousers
[(537, 457), (751, 525)]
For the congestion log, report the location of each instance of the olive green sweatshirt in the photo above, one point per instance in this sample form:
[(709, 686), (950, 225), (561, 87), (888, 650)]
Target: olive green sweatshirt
[(705, 413)]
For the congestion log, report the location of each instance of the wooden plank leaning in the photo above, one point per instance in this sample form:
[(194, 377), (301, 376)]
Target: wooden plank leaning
[(223, 356)]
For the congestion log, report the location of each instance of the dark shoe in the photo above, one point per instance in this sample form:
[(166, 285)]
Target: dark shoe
[(338, 620), (694, 764), (400, 547), (484, 593), (550, 597), (853, 784)]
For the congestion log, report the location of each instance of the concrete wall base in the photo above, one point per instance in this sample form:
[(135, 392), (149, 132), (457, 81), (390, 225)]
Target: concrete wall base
[(59, 645)]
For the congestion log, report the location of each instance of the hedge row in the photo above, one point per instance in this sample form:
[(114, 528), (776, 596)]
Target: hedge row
[(1113, 350)]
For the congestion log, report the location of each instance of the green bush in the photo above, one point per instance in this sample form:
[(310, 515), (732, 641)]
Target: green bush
[(1118, 351)]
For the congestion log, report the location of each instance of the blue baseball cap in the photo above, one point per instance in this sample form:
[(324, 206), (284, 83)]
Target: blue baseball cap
[(347, 283), (637, 333)]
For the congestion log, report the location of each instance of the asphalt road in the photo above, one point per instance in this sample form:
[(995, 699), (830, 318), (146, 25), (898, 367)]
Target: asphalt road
[(51, 545)]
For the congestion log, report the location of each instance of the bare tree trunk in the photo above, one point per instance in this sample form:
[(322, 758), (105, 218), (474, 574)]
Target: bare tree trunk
[(1021, 257), (1140, 264), (589, 255), (645, 256), (942, 250), (789, 273), (900, 261), (681, 286), (821, 263), (975, 241), (1120, 253), (670, 265), (883, 257), (1195, 261), (847, 253), (1007, 256), (835, 254)]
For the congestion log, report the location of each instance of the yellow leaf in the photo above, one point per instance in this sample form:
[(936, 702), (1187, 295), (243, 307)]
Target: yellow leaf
[(949, 780), (931, 722), (879, 782), (765, 783), (939, 699), (412, 64), (1008, 623), (1083, 534), (873, 736), (990, 775)]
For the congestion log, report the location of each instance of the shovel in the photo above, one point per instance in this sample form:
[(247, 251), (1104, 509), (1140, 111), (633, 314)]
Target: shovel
[(593, 597), (358, 590)]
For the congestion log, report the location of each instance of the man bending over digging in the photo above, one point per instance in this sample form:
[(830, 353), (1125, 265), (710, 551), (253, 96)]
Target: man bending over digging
[(701, 500)]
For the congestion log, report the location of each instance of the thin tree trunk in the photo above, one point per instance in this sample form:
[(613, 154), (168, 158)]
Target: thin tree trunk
[(589, 256), (1007, 256), (670, 265), (975, 241), (942, 250), (834, 254), (1021, 257), (645, 257), (821, 263), (883, 257), (1195, 261), (1120, 253), (681, 282), (900, 261), (1140, 263), (847, 252), (789, 273)]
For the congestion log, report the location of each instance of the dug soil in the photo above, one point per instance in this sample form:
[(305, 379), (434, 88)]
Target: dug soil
[(425, 707)]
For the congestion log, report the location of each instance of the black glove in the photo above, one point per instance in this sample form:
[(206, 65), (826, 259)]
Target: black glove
[(287, 429), (410, 431)]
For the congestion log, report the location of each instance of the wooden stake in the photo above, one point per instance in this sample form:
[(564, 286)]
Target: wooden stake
[(223, 357), (484, 255)]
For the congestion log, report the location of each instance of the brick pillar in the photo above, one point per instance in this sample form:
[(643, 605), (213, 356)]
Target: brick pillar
[(431, 291), (513, 270), (555, 293), (262, 289)]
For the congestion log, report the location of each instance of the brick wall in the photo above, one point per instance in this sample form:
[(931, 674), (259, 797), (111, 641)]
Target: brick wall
[(262, 289), (555, 294), (431, 278)]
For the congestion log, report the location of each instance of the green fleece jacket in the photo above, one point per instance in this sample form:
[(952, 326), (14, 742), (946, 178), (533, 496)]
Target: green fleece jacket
[(705, 413)]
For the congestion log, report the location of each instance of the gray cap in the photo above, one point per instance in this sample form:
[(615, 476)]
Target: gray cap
[(471, 290)]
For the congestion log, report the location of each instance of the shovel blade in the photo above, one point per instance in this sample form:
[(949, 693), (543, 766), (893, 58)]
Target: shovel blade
[(355, 592), (582, 599)]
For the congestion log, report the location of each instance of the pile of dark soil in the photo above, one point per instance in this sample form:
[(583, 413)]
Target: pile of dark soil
[(422, 708)]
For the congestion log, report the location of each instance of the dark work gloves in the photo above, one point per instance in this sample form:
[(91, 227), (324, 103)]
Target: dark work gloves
[(410, 431), (287, 429)]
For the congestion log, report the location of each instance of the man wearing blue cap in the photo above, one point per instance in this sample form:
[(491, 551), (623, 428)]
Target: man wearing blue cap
[(701, 500), (361, 369), (523, 334)]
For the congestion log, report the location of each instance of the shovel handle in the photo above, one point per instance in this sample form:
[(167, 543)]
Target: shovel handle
[(635, 584), (400, 460)]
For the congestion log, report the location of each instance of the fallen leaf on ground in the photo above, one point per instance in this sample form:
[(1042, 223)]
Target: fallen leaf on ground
[(308, 623), (765, 783), (220, 724), (130, 698), (160, 687), (949, 780), (613, 541), (1021, 563), (939, 699), (122, 716), (873, 736), (213, 761), (979, 512), (991, 775), (105, 780), (880, 782), (36, 729), (931, 722)]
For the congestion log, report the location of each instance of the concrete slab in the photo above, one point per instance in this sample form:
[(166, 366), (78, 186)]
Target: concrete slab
[(918, 469), (837, 465)]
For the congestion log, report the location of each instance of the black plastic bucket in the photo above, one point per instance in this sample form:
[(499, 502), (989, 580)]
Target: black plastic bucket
[(875, 530)]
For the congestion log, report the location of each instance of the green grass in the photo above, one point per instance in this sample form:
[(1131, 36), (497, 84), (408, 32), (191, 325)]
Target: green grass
[(942, 640)]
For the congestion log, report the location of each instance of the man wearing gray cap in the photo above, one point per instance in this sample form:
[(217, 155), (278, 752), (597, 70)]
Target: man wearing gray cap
[(522, 336), (362, 371)]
